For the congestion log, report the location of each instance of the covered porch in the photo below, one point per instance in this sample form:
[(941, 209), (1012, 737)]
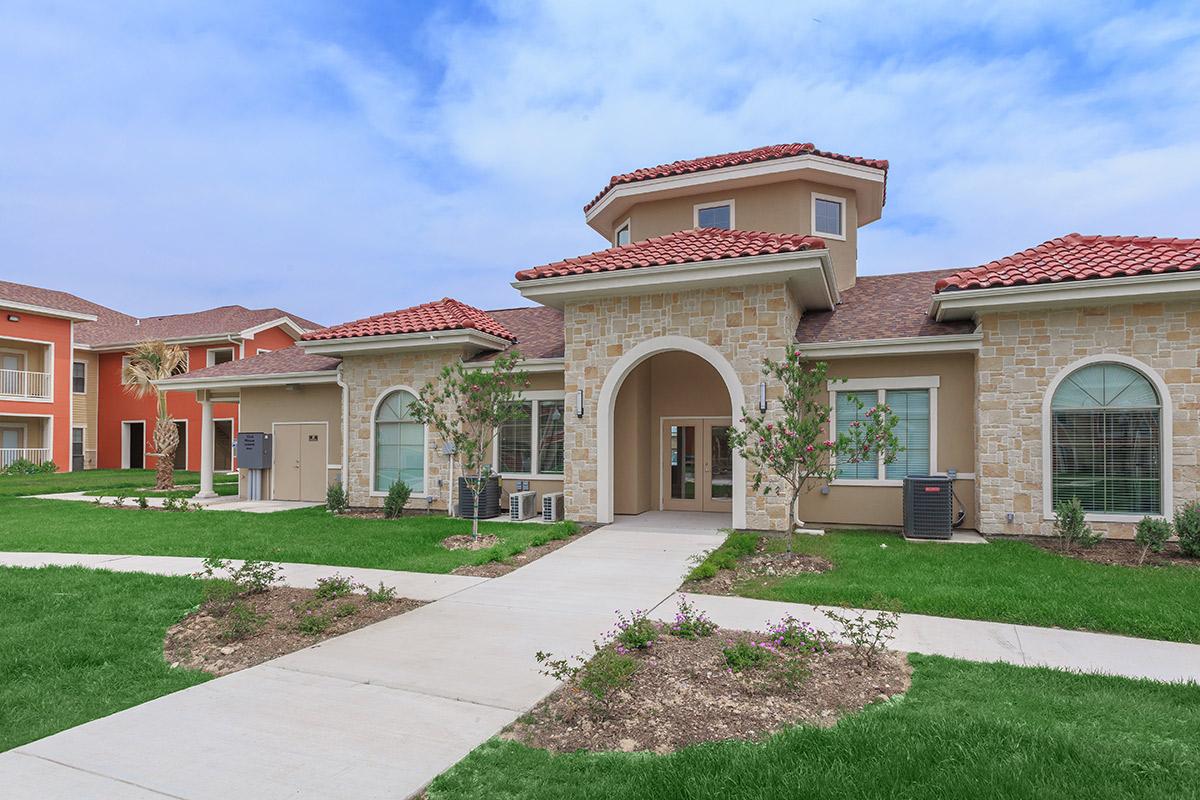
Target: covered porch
[(25, 370), (25, 438)]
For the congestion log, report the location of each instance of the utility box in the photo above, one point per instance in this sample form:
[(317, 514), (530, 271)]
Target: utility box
[(928, 507), (254, 450)]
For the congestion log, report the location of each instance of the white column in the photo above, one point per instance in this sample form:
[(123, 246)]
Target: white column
[(206, 450)]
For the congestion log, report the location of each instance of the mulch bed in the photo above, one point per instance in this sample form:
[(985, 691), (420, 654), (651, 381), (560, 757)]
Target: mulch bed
[(683, 694), (196, 641), (464, 541), (763, 564), (1121, 552)]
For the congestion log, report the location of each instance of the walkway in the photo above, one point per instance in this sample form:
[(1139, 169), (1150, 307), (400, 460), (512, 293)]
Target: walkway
[(211, 504), (374, 713)]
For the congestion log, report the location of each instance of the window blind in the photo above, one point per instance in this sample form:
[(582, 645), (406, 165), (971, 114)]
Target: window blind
[(911, 407), (847, 412)]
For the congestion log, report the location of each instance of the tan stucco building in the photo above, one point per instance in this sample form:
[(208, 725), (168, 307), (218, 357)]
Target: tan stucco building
[(1067, 370)]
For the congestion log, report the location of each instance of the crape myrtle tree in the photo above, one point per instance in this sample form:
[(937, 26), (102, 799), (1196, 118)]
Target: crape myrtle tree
[(467, 407), (792, 450), (150, 362)]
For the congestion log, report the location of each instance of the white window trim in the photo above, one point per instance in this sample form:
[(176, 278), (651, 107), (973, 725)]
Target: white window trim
[(85, 377), (626, 223), (533, 434), (261, 350), (841, 201), (211, 358), (1167, 465), (371, 461), (881, 386), (698, 207)]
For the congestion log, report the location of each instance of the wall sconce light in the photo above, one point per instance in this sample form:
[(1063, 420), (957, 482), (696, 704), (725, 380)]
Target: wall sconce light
[(579, 403), (762, 397), (13, 318)]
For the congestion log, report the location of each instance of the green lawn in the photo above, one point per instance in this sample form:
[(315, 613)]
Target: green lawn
[(78, 644), (93, 480), (1006, 581), (224, 489), (964, 731), (309, 535)]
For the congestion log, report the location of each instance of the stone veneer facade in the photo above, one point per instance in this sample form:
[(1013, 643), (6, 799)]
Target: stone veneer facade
[(1022, 352), (746, 324)]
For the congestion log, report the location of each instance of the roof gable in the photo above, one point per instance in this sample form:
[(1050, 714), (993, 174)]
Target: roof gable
[(446, 314)]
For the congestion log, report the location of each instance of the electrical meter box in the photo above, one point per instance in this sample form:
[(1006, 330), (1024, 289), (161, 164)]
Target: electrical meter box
[(253, 450)]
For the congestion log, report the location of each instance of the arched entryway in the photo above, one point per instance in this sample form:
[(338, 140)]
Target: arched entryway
[(663, 412)]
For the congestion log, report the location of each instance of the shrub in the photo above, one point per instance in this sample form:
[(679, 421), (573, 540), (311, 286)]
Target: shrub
[(1151, 536), (1070, 526), (690, 623), (1187, 528), (346, 610), (175, 502), (736, 545), (333, 587), (119, 500), (252, 577), (219, 596), (313, 623), (792, 634), (23, 466), (604, 672), (867, 632), (746, 654), (336, 499), (396, 500), (241, 623), (384, 594), (633, 632), (142, 502)]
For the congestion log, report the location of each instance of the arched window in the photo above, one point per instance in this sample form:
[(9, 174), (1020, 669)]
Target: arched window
[(1107, 440), (399, 443)]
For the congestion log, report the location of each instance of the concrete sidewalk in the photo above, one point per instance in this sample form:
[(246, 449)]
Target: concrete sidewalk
[(221, 503), (375, 713), (975, 640)]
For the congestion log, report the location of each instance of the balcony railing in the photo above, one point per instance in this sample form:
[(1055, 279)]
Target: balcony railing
[(25, 385), (38, 455)]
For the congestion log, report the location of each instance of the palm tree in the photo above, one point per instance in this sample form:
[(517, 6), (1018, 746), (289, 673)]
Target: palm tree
[(150, 362)]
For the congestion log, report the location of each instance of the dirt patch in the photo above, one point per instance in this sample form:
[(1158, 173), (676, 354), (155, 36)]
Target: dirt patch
[(494, 569), (196, 642), (465, 541), (683, 693), (1120, 552), (764, 563)]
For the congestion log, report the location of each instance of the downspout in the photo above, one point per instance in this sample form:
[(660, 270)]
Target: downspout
[(345, 431)]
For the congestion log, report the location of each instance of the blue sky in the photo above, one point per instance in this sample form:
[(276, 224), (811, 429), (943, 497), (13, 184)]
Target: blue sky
[(342, 159)]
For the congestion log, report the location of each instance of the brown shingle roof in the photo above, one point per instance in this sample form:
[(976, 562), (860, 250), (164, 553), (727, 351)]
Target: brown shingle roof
[(277, 362), (539, 331), (881, 307), (215, 322), (52, 298)]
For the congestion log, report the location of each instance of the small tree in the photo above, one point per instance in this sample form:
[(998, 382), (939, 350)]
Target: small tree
[(793, 449), (467, 407), (1070, 525), (150, 362), (1151, 535)]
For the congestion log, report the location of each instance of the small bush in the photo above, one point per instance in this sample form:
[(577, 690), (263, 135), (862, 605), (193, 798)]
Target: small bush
[(142, 502), (175, 502), (396, 500), (736, 546), (313, 623), (346, 610), (1151, 536), (219, 596), (336, 499), (792, 634), (333, 587), (241, 623), (1070, 526), (1187, 528), (867, 632), (690, 623), (119, 500), (745, 654), (23, 466), (252, 577), (384, 594), (605, 671), (633, 632)]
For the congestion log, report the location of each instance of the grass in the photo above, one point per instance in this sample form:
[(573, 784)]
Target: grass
[(1005, 581), (305, 535), (92, 480), (964, 730), (78, 644)]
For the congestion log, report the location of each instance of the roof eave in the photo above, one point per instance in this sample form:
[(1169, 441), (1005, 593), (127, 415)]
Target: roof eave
[(465, 338), (185, 383), (46, 311), (907, 345)]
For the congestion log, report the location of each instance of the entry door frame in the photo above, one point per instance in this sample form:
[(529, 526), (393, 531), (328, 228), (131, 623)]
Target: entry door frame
[(82, 447), (127, 443), (232, 439), (275, 451), (703, 461)]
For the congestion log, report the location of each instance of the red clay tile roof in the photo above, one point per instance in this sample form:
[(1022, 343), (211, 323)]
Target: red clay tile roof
[(881, 307), (1075, 257), (212, 322), (539, 332), (446, 314), (701, 244), (768, 153), (52, 298), (277, 362)]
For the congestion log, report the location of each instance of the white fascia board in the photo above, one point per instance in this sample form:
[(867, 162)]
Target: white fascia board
[(966, 303), (909, 345), (286, 322), (538, 365), (434, 340), (808, 273), (222, 339), (246, 381), (45, 311), (735, 172)]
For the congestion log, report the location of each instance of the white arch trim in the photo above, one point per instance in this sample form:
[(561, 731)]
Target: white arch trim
[(1166, 445), (606, 407), (371, 449)]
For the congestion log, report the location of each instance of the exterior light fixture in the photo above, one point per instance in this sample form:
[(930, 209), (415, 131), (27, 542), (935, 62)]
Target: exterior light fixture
[(579, 403), (13, 318), (762, 396)]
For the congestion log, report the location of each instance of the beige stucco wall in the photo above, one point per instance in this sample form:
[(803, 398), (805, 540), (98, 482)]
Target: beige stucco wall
[(784, 207), (1023, 352), (745, 324), (86, 406), (35, 429), (261, 407), (882, 505)]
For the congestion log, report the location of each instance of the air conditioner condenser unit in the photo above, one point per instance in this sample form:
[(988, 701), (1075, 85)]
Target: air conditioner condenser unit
[(522, 505), (552, 507)]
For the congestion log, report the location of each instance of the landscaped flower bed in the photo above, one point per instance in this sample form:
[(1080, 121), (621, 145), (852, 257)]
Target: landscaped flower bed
[(749, 556), (662, 687)]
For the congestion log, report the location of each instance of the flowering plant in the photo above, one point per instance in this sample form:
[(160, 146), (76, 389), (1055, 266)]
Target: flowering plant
[(690, 623)]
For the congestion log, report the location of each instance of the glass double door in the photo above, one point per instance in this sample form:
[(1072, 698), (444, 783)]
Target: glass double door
[(697, 465)]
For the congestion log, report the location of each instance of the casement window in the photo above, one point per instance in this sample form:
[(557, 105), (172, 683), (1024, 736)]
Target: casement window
[(219, 355), (713, 215), (913, 401), (532, 446), (829, 216), (79, 377), (622, 236), (399, 453), (1106, 422)]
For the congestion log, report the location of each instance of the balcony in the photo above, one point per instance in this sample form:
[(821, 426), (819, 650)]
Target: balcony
[(38, 455), (20, 384)]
